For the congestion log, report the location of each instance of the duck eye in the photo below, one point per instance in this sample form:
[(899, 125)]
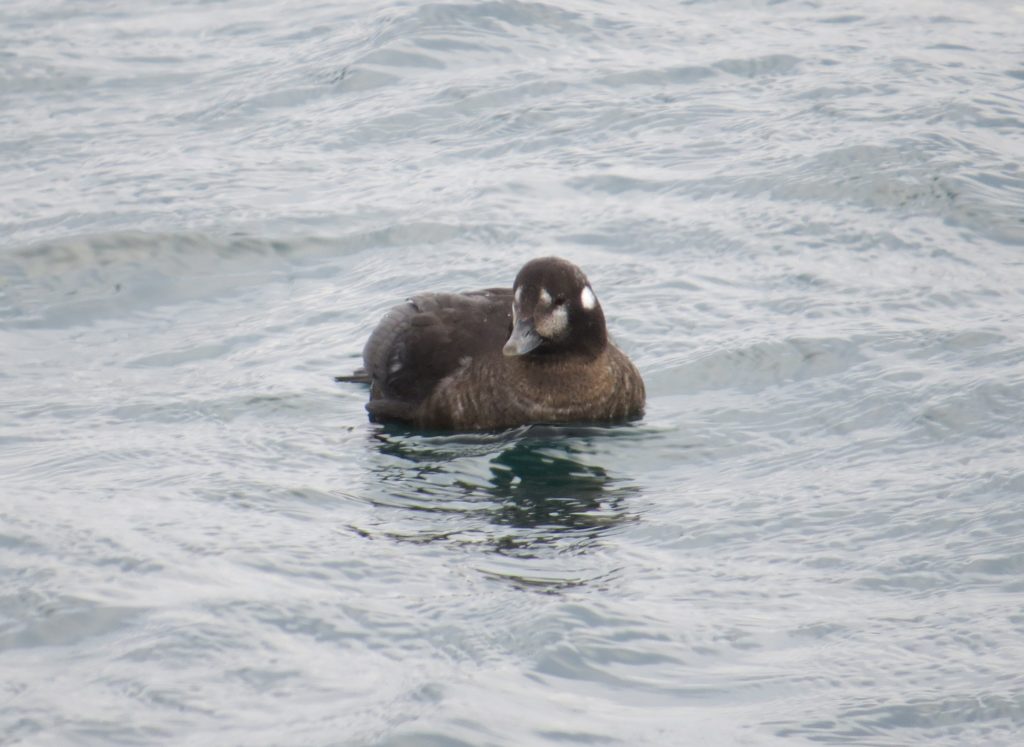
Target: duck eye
[(559, 300)]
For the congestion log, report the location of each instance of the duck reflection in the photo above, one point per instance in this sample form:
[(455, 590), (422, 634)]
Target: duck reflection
[(541, 481), (537, 487)]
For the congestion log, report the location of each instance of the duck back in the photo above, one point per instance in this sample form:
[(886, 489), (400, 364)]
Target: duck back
[(424, 340)]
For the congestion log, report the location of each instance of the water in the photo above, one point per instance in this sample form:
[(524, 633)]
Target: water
[(805, 222)]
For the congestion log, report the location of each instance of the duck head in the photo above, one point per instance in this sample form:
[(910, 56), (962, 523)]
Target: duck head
[(554, 311)]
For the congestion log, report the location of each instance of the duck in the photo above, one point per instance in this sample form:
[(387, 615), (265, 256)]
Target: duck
[(538, 352)]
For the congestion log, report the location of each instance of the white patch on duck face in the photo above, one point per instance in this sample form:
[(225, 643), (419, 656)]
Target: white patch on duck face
[(553, 325), (587, 298), (517, 302), (545, 297), (561, 318)]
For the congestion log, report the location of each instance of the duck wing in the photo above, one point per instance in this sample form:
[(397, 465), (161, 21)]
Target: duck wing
[(420, 342)]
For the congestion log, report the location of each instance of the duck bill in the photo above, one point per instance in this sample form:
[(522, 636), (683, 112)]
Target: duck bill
[(523, 339)]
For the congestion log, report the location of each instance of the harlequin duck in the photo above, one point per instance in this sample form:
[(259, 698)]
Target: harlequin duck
[(536, 353)]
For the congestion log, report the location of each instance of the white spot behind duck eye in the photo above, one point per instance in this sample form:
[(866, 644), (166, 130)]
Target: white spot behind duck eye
[(587, 298), (519, 294), (545, 297)]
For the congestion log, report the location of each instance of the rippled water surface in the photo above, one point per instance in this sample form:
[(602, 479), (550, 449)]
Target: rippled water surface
[(806, 225)]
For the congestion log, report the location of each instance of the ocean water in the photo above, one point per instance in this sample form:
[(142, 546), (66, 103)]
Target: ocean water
[(805, 221)]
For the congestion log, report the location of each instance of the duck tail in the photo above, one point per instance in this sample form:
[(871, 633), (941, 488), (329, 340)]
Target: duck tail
[(359, 376)]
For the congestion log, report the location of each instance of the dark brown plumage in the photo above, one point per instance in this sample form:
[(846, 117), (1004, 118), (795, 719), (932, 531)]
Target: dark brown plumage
[(536, 353)]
